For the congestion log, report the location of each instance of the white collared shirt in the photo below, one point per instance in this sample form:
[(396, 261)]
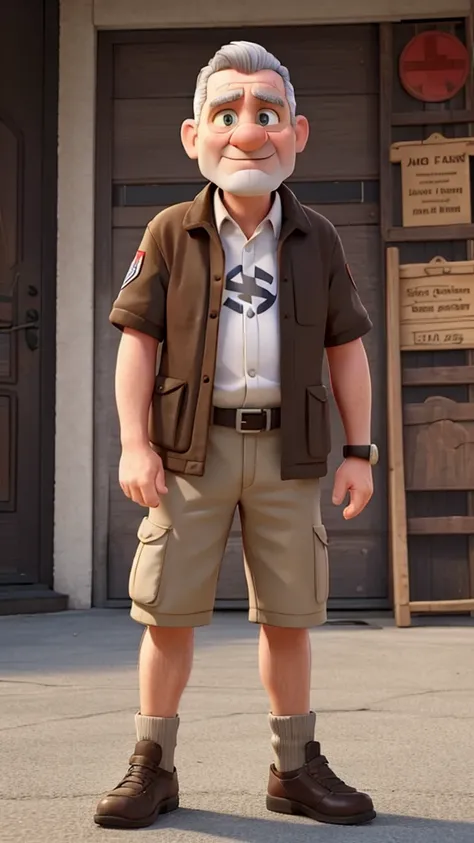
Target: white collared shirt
[(248, 352)]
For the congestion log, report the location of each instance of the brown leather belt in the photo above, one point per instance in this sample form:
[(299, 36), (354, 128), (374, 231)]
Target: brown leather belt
[(248, 421)]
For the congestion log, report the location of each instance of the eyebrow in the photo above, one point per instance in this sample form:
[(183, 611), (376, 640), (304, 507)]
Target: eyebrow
[(267, 96), (230, 96)]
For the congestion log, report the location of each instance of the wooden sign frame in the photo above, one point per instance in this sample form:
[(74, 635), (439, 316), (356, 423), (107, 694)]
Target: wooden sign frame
[(398, 523), (435, 180), (436, 305)]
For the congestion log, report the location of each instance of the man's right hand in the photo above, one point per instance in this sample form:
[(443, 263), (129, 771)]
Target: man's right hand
[(142, 476)]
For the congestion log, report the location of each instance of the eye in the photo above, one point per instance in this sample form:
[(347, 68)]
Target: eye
[(267, 117), (226, 119)]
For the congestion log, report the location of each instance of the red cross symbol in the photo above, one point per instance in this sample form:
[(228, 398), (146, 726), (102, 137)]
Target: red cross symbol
[(434, 66)]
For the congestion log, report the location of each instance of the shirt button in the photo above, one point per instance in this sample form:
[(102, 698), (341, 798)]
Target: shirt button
[(250, 313), (252, 373)]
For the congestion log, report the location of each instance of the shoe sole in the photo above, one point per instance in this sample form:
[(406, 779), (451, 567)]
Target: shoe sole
[(122, 822), (286, 806)]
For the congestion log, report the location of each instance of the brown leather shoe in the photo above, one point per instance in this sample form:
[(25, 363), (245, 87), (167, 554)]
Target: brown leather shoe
[(316, 792), (144, 793)]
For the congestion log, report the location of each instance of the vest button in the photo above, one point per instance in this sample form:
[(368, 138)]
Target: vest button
[(217, 277), (213, 314), (206, 378)]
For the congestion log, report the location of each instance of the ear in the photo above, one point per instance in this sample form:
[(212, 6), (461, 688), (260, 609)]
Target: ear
[(302, 132), (189, 138)]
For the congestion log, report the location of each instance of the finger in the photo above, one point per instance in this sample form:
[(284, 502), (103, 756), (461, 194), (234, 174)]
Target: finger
[(149, 495), (160, 483), (359, 501), (126, 489), (137, 496), (340, 490)]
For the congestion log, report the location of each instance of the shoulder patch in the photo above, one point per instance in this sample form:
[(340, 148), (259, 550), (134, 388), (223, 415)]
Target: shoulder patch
[(134, 268), (351, 277)]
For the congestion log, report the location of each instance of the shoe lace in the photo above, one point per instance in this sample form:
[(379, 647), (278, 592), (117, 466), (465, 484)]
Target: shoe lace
[(137, 777), (319, 769)]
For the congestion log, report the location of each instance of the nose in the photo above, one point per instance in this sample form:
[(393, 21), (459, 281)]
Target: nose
[(249, 137)]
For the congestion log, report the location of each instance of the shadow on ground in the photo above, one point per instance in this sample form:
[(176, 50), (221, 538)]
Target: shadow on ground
[(387, 827)]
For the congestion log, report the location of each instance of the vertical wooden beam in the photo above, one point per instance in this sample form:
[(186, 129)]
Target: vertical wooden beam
[(396, 470), (469, 23), (385, 125), (385, 169)]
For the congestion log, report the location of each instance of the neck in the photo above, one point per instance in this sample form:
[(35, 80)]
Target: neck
[(247, 211)]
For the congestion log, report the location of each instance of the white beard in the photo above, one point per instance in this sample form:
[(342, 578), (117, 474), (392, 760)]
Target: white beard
[(246, 182)]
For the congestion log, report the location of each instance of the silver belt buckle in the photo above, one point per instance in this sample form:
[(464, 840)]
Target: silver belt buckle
[(240, 421)]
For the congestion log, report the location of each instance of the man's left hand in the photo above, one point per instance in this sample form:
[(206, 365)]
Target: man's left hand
[(353, 476)]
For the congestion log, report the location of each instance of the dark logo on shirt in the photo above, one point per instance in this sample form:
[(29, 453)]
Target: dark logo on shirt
[(247, 290)]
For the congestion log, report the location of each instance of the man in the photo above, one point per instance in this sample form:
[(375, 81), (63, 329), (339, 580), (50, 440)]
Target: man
[(245, 289)]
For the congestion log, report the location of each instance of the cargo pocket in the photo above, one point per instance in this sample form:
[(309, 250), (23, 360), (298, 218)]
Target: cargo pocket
[(318, 431), (147, 567), (321, 563), (166, 409)]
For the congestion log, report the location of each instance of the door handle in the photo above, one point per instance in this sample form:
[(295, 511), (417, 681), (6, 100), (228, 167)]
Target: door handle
[(30, 328)]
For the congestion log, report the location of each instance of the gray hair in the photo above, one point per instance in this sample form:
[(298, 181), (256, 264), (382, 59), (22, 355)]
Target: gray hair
[(246, 57)]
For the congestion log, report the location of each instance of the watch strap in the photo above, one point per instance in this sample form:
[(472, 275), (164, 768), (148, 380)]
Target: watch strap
[(362, 452)]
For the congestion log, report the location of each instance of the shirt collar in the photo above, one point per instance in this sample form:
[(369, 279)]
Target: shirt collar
[(274, 216), (200, 213)]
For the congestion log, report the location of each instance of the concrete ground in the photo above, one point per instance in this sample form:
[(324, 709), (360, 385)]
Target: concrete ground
[(396, 717)]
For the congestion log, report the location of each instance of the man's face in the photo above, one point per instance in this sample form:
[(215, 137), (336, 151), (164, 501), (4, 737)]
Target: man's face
[(245, 142)]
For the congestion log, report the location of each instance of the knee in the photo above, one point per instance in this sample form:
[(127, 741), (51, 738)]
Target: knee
[(163, 636), (279, 636)]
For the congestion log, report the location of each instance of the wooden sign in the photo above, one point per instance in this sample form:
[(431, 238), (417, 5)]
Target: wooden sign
[(435, 180), (437, 305), (433, 450)]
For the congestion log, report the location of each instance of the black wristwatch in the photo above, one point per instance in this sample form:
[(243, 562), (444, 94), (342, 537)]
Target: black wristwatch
[(370, 453)]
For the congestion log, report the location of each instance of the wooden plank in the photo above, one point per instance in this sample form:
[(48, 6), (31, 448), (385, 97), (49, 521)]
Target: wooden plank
[(442, 606), (426, 233), (438, 409), (432, 118), (327, 60), (439, 376), (385, 130), (450, 524), (396, 474), (146, 139), (340, 215)]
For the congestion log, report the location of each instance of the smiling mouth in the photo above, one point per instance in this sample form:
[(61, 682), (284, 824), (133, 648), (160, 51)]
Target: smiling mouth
[(246, 160)]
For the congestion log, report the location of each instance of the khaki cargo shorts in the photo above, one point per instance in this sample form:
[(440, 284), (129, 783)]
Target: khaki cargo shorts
[(175, 571)]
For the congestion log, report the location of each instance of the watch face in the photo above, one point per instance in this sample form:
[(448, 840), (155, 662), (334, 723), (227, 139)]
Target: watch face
[(374, 455)]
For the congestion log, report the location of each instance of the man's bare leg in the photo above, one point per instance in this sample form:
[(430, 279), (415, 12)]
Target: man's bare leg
[(285, 671), (165, 662)]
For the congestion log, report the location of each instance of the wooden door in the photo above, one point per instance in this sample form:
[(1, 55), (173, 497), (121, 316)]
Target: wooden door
[(142, 166), (23, 254)]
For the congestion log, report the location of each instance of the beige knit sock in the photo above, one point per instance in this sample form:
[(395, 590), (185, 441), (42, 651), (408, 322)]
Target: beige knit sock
[(289, 738), (161, 730)]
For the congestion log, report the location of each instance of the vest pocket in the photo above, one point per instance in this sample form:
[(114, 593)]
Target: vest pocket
[(317, 420), (167, 404), (321, 563), (147, 566)]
